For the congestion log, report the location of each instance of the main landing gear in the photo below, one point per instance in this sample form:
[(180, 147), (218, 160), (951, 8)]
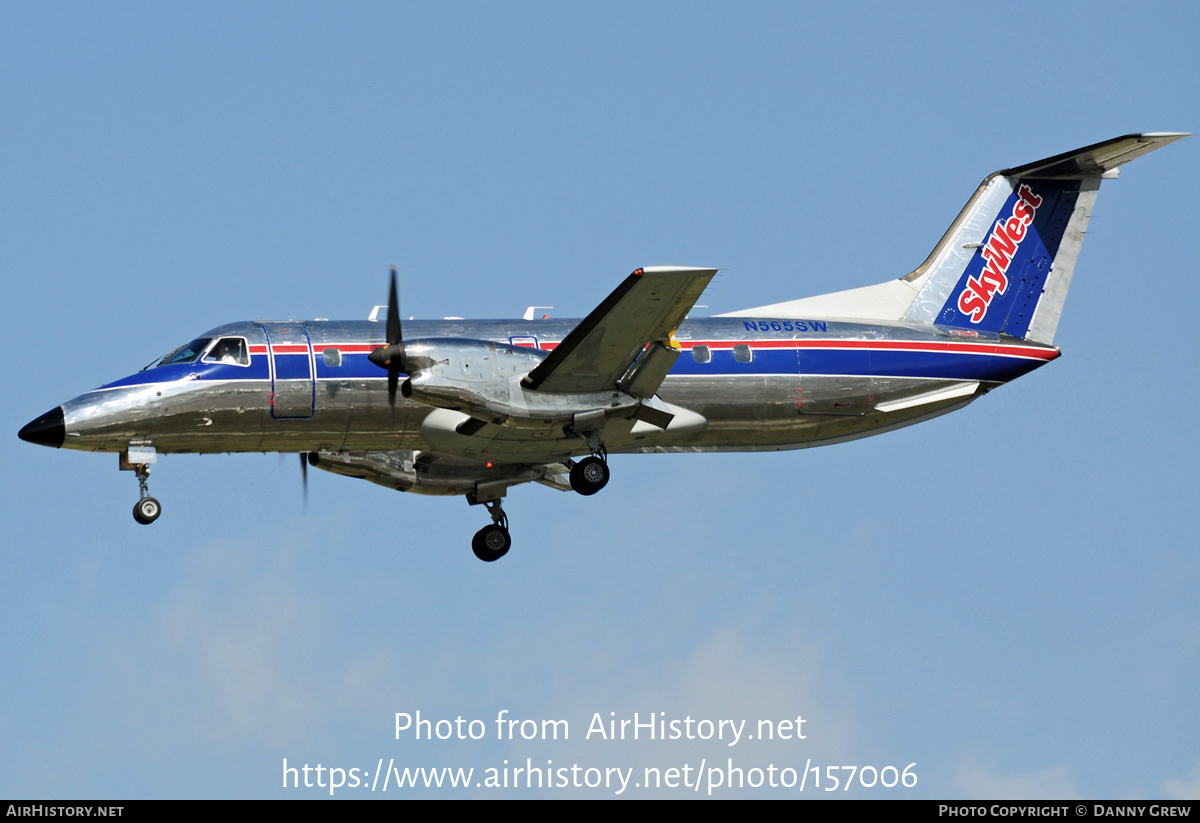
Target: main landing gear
[(590, 474), (492, 542), (147, 509), (587, 477)]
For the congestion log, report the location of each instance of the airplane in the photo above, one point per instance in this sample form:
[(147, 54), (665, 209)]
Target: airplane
[(484, 406)]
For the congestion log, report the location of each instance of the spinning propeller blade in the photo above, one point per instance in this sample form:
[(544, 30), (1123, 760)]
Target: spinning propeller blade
[(304, 477), (391, 357)]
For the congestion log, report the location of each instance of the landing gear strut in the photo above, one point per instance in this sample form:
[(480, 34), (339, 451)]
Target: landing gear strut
[(492, 542), (590, 474), (147, 509)]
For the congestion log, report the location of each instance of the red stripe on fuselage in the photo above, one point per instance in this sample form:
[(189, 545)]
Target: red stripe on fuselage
[(951, 347), (1002, 350)]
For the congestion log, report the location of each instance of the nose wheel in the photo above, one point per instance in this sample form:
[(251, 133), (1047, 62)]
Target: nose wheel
[(147, 509), (492, 542)]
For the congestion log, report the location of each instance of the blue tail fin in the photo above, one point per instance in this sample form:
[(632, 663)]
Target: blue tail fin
[(1016, 243), (1006, 278), (1006, 261)]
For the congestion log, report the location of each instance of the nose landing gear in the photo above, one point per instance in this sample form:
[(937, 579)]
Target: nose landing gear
[(147, 509)]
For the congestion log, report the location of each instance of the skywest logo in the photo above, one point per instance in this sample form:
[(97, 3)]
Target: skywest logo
[(999, 252)]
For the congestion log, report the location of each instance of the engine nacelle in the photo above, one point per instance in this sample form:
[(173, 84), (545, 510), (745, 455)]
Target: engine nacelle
[(423, 473), (483, 379)]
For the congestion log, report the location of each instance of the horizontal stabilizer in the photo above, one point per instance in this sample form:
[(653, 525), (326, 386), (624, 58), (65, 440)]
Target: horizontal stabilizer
[(1095, 160)]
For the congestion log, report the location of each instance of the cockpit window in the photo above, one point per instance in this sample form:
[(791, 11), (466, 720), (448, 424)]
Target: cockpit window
[(183, 354), (229, 350)]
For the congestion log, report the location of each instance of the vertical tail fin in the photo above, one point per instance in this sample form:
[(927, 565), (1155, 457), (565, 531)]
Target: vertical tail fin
[(1006, 262)]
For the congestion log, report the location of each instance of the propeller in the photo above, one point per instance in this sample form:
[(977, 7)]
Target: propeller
[(304, 477), (391, 357)]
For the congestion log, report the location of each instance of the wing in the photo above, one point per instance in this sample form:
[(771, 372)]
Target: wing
[(646, 308)]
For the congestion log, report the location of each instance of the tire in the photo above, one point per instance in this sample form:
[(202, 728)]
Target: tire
[(491, 543), (589, 475), (147, 510)]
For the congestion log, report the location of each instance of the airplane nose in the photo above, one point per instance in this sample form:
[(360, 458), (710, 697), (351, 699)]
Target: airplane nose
[(47, 430)]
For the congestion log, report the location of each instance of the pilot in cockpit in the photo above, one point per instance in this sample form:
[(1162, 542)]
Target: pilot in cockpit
[(229, 351)]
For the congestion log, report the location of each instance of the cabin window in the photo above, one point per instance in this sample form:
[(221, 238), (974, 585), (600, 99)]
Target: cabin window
[(231, 351), (332, 358), (743, 353), (702, 354)]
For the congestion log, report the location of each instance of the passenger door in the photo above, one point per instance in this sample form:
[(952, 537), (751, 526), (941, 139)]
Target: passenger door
[(293, 388)]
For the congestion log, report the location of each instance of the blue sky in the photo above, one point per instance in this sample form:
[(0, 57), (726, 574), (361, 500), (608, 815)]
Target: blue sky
[(1004, 596)]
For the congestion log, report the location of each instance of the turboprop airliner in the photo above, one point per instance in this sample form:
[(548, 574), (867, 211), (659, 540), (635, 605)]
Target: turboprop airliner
[(474, 408)]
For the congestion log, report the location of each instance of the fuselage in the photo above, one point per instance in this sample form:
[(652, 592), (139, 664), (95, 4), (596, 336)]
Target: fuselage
[(760, 383)]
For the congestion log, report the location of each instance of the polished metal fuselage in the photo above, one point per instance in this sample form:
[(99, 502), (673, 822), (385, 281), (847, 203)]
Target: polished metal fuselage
[(761, 384)]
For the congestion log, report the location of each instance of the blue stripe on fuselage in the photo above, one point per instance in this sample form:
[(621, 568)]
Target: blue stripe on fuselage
[(259, 369), (777, 360), (864, 362)]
